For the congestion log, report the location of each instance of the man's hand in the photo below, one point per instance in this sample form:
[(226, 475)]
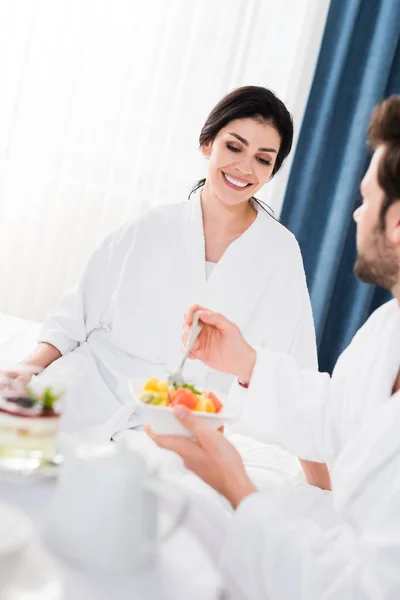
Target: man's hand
[(220, 344), (210, 456)]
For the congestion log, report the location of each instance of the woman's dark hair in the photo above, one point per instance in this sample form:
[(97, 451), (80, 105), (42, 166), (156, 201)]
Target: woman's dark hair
[(252, 102), (384, 130)]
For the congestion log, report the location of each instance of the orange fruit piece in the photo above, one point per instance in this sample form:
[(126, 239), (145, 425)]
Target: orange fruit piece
[(215, 401), (184, 397)]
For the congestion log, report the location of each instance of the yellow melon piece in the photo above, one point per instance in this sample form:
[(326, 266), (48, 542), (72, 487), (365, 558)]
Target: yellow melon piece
[(204, 404), (162, 399), (152, 384), (163, 386)]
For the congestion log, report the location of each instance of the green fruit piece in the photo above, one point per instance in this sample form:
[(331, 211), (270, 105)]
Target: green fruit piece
[(148, 397), (161, 399), (187, 386)]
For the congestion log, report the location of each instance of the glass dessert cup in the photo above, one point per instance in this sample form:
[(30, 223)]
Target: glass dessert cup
[(29, 422)]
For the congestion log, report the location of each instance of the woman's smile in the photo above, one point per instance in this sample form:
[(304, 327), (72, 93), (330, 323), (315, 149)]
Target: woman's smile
[(234, 182)]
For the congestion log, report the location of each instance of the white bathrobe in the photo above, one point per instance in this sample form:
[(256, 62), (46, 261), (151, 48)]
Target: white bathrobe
[(277, 548), (125, 318), (272, 554), (311, 414)]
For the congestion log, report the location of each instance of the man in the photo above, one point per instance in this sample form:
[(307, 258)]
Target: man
[(351, 421)]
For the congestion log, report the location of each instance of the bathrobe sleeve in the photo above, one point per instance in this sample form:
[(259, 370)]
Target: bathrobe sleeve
[(305, 411), (80, 310), (298, 407), (270, 553)]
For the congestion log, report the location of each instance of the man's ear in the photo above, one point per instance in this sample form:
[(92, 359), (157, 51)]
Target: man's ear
[(393, 223), (396, 235), (206, 149)]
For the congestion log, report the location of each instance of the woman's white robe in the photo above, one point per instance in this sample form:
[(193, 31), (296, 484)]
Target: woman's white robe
[(125, 317)]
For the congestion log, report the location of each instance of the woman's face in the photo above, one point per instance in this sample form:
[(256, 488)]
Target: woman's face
[(241, 159)]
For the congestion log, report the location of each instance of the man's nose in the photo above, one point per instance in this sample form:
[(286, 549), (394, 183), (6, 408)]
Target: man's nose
[(357, 214)]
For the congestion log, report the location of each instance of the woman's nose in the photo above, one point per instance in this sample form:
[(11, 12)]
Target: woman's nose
[(244, 166)]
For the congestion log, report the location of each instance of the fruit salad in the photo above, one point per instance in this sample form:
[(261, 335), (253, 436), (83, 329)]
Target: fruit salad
[(159, 393)]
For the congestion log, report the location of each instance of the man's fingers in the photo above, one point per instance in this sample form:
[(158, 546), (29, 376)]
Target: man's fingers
[(215, 319), (190, 312), (197, 345), (181, 445), (193, 354), (184, 336), (192, 423)]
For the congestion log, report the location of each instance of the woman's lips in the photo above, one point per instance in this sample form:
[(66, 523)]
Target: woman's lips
[(235, 184)]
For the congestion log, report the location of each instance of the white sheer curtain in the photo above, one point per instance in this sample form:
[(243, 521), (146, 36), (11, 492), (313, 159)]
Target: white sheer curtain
[(101, 104)]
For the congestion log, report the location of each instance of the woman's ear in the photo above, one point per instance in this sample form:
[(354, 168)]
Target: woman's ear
[(206, 149)]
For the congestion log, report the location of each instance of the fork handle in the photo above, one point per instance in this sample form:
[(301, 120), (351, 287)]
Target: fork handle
[(194, 331)]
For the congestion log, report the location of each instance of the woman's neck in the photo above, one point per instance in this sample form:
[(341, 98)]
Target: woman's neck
[(223, 224), (229, 220)]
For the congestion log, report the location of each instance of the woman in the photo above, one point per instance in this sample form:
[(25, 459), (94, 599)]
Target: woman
[(221, 249)]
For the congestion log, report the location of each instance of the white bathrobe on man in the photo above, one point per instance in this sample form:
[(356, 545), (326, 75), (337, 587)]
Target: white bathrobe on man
[(279, 545)]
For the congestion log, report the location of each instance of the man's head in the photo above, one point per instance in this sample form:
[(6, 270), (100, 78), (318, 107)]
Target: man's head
[(378, 218)]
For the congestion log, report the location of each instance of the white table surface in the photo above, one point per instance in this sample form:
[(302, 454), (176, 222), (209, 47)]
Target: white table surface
[(182, 571)]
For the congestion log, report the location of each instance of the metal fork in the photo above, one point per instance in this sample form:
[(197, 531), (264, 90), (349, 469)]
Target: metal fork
[(195, 328)]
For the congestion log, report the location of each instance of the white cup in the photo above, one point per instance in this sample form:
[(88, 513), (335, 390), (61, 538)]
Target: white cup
[(104, 514), (15, 533)]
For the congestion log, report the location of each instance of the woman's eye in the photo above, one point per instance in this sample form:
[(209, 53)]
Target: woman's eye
[(264, 161)]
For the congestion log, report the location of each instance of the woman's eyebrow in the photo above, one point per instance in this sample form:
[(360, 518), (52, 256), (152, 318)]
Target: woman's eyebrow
[(246, 143)]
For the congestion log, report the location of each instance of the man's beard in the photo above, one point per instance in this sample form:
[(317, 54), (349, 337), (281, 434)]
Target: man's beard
[(383, 269)]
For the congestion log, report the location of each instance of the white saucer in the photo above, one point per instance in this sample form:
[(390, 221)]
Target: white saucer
[(29, 468), (36, 578)]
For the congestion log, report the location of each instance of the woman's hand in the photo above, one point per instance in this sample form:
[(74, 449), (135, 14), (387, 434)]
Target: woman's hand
[(220, 344), (22, 373), (41, 357), (210, 456), (19, 374)]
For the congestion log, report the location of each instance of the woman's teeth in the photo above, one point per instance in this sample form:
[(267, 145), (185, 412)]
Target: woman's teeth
[(240, 184)]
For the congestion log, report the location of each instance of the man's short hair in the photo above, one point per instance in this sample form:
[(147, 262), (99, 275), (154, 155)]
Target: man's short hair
[(384, 130)]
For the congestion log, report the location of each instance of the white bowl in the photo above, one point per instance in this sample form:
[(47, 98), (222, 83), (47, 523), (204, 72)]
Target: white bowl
[(15, 532), (162, 420)]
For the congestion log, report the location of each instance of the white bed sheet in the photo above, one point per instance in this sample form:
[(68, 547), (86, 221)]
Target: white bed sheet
[(17, 339)]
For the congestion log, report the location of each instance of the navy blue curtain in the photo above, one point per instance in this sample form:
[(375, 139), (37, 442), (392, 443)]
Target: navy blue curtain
[(358, 66)]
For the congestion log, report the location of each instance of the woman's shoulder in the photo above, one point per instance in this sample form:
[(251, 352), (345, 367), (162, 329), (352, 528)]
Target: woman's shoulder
[(164, 213), (156, 215), (281, 237), (154, 218)]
